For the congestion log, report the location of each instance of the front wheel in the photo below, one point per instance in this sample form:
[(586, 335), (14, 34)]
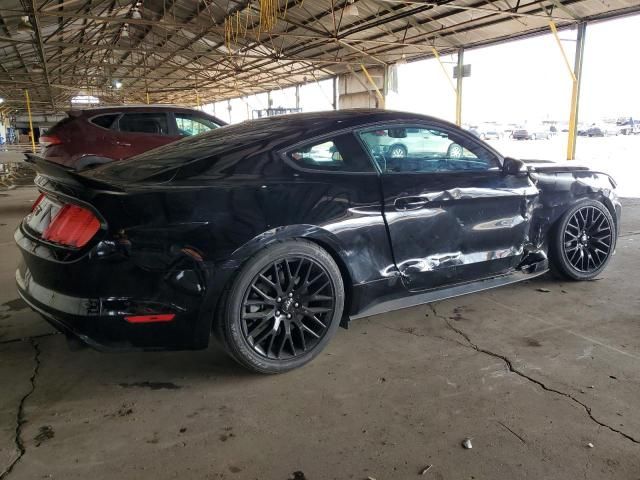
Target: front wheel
[(283, 307), (583, 241)]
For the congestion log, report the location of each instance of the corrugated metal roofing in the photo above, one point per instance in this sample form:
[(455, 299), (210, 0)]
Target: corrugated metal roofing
[(222, 49)]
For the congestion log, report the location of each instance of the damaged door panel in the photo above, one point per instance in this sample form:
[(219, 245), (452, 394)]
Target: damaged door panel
[(468, 226)]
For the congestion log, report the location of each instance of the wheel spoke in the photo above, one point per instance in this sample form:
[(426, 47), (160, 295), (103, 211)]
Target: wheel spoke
[(261, 293)]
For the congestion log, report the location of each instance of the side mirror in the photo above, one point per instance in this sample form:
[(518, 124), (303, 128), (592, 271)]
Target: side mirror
[(511, 166)]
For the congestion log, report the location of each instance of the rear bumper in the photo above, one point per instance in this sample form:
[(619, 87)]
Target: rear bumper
[(101, 324), (91, 296)]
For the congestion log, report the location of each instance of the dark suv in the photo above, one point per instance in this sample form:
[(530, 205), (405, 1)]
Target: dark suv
[(94, 136)]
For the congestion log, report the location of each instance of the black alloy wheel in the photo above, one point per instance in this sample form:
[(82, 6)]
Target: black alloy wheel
[(283, 307), (584, 241), (587, 239), (288, 307)]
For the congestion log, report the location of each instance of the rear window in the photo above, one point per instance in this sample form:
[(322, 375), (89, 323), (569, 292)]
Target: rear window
[(105, 121), (153, 123)]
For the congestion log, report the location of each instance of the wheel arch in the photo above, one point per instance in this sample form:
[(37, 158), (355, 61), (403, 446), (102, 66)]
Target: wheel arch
[(312, 233)]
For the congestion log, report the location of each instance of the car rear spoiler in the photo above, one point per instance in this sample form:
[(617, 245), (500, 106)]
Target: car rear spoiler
[(66, 175)]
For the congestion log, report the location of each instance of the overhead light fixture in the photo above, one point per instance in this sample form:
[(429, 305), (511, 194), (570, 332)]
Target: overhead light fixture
[(117, 84), (125, 31), (351, 10), (25, 24), (1, 100), (402, 60), (135, 13)]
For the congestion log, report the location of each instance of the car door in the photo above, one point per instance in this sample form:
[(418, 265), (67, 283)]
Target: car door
[(138, 132), (452, 216)]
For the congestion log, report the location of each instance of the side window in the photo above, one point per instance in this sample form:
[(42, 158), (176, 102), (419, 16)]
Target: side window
[(425, 150), (189, 124), (154, 123), (105, 121), (342, 154)]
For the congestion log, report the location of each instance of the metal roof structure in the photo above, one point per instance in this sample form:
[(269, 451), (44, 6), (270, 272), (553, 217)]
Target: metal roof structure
[(221, 49)]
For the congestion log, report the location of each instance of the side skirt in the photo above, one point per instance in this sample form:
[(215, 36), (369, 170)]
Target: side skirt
[(412, 300)]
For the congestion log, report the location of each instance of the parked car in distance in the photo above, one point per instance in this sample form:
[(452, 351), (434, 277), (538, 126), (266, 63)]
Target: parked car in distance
[(490, 135), (94, 136), (595, 131), (628, 126), (531, 133), (273, 232)]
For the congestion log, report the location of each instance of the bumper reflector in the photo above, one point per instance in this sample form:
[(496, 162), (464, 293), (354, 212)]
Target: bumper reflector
[(161, 317)]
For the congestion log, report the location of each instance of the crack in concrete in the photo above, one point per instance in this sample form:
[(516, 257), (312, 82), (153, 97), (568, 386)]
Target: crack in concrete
[(30, 338), (20, 420), (512, 369)]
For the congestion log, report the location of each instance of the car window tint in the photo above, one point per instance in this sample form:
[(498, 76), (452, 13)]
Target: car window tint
[(422, 149), (105, 121), (154, 123), (342, 153), (189, 124)]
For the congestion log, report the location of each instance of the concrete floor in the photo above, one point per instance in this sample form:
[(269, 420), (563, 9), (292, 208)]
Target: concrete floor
[(533, 377)]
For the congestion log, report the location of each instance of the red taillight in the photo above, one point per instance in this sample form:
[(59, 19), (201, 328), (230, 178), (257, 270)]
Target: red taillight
[(73, 226), (37, 202), (48, 140), (380, 133), (161, 317)]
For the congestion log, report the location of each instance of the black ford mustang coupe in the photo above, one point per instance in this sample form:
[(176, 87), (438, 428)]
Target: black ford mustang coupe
[(272, 233)]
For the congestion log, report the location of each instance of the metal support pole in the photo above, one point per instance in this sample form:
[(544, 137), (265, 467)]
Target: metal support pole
[(33, 138), (459, 87), (148, 102), (373, 84), (336, 86), (575, 92), (297, 96)]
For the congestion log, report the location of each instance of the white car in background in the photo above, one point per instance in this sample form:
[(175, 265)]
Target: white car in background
[(397, 142)]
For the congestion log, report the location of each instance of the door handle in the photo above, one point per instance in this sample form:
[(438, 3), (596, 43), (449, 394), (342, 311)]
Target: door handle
[(409, 203), (123, 144)]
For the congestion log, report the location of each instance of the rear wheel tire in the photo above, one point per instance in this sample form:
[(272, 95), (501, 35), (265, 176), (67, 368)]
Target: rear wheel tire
[(283, 307), (583, 241)]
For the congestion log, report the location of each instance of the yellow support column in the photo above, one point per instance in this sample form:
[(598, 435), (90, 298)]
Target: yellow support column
[(456, 90), (576, 76), (33, 138), (381, 103)]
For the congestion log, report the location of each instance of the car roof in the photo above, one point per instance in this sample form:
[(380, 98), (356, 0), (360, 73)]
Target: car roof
[(319, 123), (133, 108)]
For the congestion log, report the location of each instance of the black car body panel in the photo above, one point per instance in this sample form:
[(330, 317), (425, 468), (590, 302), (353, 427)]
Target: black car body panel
[(178, 222)]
